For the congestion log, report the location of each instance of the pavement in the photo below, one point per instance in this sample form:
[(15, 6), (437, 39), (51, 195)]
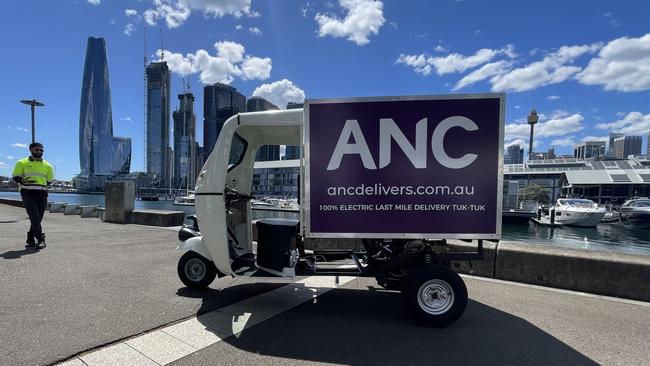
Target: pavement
[(99, 289)]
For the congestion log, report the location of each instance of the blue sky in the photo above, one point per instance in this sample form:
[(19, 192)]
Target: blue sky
[(584, 65)]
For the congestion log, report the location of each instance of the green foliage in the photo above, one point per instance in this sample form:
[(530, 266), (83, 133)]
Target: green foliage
[(534, 192)]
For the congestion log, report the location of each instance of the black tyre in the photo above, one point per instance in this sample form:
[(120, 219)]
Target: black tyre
[(434, 296), (195, 271)]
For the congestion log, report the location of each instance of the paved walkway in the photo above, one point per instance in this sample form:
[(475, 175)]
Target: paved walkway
[(110, 294)]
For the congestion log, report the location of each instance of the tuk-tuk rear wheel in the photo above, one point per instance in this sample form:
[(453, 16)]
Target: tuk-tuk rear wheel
[(196, 271)]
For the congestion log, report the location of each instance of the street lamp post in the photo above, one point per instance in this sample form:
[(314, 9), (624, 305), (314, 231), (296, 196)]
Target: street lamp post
[(33, 103), (532, 120)]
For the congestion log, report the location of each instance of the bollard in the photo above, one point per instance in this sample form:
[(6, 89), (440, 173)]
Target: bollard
[(551, 212), (120, 201)]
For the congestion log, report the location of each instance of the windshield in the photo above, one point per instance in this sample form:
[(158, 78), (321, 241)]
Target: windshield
[(577, 202), (237, 151), (644, 203)]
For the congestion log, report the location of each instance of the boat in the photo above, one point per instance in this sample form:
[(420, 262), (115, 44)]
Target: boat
[(187, 200), (577, 212), (635, 212)]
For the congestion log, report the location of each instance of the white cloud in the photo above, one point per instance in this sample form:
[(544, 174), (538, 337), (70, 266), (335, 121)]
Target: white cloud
[(439, 48), (255, 31), (553, 97), (129, 29), (567, 141), (622, 65), (239, 27), (94, 2), (552, 69), (10, 157), (520, 142), (595, 138), (517, 106), (3, 165), (22, 129), (634, 123), (362, 19), (229, 63), (454, 62), (176, 12), (130, 12), (126, 119), (280, 93), (484, 72), (18, 144), (558, 125)]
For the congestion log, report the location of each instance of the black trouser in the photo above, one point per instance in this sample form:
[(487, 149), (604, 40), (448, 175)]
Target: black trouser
[(35, 202)]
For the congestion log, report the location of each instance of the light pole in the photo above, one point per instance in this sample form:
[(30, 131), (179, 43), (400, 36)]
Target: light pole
[(33, 103), (532, 120)]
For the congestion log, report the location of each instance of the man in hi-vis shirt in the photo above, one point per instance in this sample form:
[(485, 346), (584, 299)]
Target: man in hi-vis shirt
[(34, 174)]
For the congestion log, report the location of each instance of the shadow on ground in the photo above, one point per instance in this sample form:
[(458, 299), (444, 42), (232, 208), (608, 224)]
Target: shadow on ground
[(365, 327), (15, 254)]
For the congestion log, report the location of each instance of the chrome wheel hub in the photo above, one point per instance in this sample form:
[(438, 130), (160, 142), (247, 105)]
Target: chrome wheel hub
[(435, 296)]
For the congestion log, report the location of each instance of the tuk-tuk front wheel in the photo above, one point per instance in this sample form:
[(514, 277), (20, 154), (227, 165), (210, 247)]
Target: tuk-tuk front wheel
[(195, 271), (435, 296)]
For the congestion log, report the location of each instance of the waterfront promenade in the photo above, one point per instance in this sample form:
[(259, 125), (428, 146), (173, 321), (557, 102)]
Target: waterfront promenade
[(100, 284)]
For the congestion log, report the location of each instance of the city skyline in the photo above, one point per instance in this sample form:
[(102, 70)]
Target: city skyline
[(564, 66)]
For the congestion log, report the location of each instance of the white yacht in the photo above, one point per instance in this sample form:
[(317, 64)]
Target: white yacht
[(635, 212), (578, 212), (187, 200)]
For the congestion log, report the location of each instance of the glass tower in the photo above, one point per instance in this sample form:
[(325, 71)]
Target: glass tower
[(220, 102), (184, 143), (158, 149), (99, 152)]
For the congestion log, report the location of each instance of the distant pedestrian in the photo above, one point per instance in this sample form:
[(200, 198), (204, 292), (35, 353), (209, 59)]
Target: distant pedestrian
[(34, 175)]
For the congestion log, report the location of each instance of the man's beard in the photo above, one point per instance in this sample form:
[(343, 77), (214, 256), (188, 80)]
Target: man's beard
[(37, 155)]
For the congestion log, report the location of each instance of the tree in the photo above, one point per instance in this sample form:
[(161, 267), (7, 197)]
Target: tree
[(534, 192)]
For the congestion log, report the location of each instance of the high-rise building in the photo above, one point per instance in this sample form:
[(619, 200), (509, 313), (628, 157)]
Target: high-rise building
[(292, 152), (184, 143), (220, 102), (627, 145), (265, 152), (200, 159), (515, 155), (258, 104), (99, 152), (589, 149), (610, 149), (158, 91)]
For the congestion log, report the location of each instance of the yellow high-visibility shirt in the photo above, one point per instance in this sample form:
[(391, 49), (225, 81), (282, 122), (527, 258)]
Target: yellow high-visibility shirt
[(36, 174)]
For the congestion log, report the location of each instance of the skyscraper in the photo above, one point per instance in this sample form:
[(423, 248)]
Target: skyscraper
[(515, 155), (158, 91), (99, 152), (610, 149), (184, 143), (220, 102), (265, 152), (292, 152), (627, 145)]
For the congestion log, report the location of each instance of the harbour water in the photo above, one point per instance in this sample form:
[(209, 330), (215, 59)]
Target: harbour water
[(607, 237)]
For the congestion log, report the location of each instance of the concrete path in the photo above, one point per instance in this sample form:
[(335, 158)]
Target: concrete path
[(95, 283)]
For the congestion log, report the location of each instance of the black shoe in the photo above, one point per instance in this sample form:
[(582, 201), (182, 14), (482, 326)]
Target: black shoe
[(41, 242), (30, 244)]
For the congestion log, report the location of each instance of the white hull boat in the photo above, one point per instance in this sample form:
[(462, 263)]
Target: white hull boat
[(578, 212)]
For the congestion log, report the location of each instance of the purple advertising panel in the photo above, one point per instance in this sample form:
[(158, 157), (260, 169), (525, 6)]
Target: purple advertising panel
[(404, 167)]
